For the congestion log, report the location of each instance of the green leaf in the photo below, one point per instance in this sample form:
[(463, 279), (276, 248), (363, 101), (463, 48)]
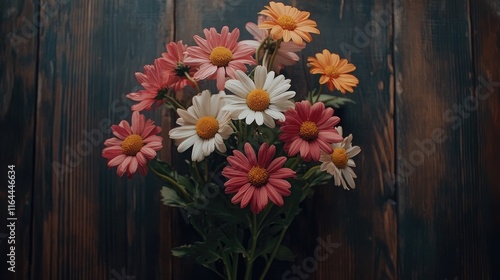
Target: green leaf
[(170, 177), (284, 254), (171, 198), (183, 251), (335, 101), (203, 252)]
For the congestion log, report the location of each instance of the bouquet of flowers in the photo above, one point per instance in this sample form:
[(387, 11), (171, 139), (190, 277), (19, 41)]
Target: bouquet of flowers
[(257, 151)]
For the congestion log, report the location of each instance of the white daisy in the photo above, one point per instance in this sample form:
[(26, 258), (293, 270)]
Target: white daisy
[(262, 100), (339, 162), (203, 126)]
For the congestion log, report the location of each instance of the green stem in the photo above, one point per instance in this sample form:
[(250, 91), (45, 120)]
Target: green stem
[(275, 52), (227, 266), (235, 266), (197, 172), (215, 270), (257, 53), (264, 215), (175, 102), (251, 253), (264, 58), (295, 163), (193, 81), (310, 171), (319, 93), (178, 187), (273, 254)]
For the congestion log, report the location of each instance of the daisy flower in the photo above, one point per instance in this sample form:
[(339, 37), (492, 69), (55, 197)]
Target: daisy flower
[(175, 65), (309, 130), (334, 71), (339, 162), (288, 23), (133, 145), (262, 100), (286, 54), (203, 126), (257, 179), (156, 82), (219, 55)]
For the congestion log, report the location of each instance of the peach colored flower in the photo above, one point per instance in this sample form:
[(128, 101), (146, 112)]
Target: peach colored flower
[(288, 23), (334, 71), (286, 54)]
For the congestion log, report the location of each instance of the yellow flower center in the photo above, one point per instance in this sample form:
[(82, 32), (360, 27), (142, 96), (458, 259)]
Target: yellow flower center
[(331, 72), (308, 130), (340, 158), (207, 127), (221, 56), (287, 22), (258, 100), (258, 176), (132, 144)]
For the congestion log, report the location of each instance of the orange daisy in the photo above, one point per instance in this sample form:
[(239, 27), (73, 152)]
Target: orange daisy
[(287, 22), (334, 71)]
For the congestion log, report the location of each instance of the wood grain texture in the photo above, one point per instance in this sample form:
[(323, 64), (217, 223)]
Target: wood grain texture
[(362, 221), (18, 80), (91, 224), (443, 224), (485, 17)]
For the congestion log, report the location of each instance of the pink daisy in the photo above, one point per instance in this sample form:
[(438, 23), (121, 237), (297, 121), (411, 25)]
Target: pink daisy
[(176, 66), (286, 54), (134, 146), (309, 130), (220, 55), (256, 179), (156, 82)]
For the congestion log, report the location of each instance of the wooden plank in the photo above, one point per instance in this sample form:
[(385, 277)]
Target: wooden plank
[(90, 224), (362, 221), (18, 53), (486, 35), (442, 231)]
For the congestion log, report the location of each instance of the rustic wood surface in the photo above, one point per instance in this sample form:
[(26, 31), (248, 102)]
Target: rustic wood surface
[(427, 117)]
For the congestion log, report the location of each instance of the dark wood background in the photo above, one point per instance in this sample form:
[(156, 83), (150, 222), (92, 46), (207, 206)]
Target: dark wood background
[(422, 209)]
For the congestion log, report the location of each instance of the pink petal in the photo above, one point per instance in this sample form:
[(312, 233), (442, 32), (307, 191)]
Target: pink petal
[(132, 167), (112, 152), (117, 160), (273, 195), (148, 152), (250, 153), (119, 132)]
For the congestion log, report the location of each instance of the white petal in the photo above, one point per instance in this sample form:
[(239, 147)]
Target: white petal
[(260, 75), (277, 98), (269, 121), (259, 119), (269, 80), (237, 88), (353, 151), (187, 143), (245, 80), (250, 117), (275, 114), (181, 132)]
